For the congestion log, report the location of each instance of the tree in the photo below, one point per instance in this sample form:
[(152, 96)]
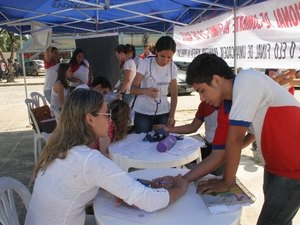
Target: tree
[(9, 42), (145, 38)]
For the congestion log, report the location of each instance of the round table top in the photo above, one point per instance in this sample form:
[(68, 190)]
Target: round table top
[(189, 209), (136, 153)]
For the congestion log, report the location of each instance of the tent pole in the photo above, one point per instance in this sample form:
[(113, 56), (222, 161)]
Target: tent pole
[(234, 36), (121, 38), (23, 64)]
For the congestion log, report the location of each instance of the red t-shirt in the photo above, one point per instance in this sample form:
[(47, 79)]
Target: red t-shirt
[(47, 65), (220, 137), (204, 110)]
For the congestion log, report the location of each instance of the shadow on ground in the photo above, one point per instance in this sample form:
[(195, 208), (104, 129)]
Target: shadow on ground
[(16, 155), (17, 160)]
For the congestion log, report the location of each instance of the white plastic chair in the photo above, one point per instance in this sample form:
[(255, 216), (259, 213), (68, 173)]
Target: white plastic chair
[(39, 98), (41, 101), (38, 135), (8, 211)]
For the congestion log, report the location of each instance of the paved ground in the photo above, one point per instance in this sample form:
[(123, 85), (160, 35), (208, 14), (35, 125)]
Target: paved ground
[(16, 142)]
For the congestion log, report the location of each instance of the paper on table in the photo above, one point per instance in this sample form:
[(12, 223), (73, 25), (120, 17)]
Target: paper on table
[(184, 147), (132, 145), (125, 212), (217, 209), (228, 201)]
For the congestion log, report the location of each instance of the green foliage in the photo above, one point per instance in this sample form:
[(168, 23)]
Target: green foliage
[(9, 42)]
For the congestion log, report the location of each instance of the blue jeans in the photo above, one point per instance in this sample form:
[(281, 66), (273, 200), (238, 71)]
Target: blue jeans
[(282, 200), (143, 123)]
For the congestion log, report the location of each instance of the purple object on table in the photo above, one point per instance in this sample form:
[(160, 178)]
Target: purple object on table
[(166, 143)]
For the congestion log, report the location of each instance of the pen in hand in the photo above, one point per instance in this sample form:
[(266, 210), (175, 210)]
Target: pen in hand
[(165, 182), (160, 183)]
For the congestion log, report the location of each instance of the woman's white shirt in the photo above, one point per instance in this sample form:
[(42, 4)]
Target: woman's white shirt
[(130, 65), (157, 77), (54, 103), (82, 72), (62, 191)]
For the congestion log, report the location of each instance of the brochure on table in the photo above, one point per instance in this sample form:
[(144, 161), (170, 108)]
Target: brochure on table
[(237, 197)]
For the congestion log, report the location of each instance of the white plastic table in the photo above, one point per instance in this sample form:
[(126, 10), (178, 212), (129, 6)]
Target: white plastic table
[(136, 153), (189, 209)]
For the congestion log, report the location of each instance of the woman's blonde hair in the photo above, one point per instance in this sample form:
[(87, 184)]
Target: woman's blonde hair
[(72, 128)]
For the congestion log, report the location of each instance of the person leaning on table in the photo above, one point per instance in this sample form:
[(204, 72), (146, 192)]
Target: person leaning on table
[(214, 162), (273, 113), (68, 173)]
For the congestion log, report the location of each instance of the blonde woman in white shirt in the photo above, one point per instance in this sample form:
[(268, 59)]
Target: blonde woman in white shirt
[(68, 173)]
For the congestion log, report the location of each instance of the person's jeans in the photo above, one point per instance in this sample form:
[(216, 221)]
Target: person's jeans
[(282, 200), (47, 94), (143, 123)]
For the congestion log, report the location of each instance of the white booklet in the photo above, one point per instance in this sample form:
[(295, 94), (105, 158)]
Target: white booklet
[(237, 196)]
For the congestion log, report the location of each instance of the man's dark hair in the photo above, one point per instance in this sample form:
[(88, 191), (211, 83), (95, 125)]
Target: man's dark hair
[(204, 66), (101, 80)]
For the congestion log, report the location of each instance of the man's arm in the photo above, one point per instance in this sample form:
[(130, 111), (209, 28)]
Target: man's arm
[(248, 139), (184, 129), (173, 105), (216, 159), (234, 143), (209, 164), (48, 54)]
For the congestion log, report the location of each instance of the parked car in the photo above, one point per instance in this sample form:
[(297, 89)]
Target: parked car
[(183, 87), (181, 65), (35, 67), (65, 60)]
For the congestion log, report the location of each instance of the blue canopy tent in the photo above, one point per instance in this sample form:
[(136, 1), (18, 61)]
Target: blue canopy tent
[(98, 16), (106, 16)]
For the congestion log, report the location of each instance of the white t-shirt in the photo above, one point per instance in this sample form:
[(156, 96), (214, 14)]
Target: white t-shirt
[(62, 191), (137, 60), (82, 73), (273, 113), (130, 65), (158, 77), (54, 99), (50, 76)]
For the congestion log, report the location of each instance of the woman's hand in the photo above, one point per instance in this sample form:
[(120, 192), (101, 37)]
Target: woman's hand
[(163, 182), (152, 92), (120, 202), (180, 182)]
